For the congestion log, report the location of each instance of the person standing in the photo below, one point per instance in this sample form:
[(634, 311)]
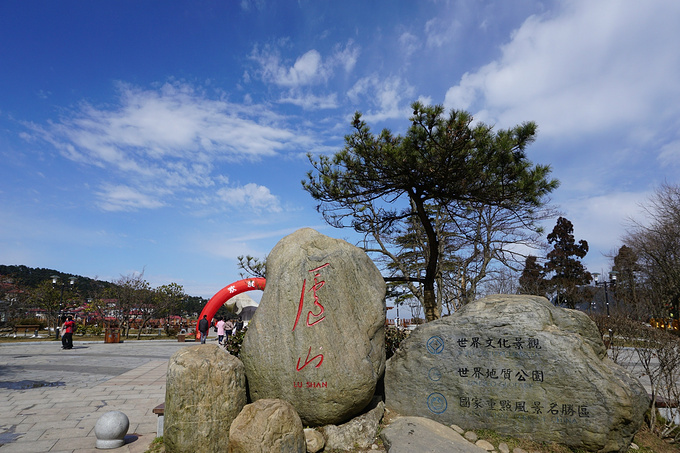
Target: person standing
[(203, 327), (220, 330), (67, 335), (228, 329)]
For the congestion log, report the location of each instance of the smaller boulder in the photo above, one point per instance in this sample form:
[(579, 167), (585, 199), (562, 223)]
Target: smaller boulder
[(358, 432), (471, 436), (205, 391), (314, 440), (267, 425), (485, 444)]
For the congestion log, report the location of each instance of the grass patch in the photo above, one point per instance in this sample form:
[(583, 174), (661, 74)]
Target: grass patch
[(156, 446)]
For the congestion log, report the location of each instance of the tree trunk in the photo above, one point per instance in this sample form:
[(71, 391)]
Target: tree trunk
[(429, 298), (432, 311)]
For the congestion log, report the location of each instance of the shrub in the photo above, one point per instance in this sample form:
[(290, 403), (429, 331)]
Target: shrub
[(393, 338), (94, 330), (235, 341), (30, 322)]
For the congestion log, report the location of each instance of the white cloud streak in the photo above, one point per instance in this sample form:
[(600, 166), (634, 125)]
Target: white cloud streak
[(253, 196), (158, 143), (592, 67), (308, 69), (390, 97)]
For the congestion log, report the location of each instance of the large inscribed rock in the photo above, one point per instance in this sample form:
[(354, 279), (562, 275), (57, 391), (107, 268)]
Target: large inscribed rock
[(520, 366), (317, 338), (205, 391)]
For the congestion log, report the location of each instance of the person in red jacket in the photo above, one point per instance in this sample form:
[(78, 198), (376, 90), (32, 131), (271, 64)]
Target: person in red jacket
[(67, 334)]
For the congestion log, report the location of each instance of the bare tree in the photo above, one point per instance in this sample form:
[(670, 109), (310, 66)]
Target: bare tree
[(655, 241), (130, 292)]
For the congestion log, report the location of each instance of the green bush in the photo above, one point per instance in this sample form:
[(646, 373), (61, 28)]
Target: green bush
[(393, 338), (94, 330), (30, 322), (235, 341)]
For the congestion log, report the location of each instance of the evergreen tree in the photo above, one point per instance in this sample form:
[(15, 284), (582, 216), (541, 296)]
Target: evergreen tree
[(563, 262), (376, 183), (532, 281)]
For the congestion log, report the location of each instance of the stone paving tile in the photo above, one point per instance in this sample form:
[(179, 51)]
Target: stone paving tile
[(29, 434), (71, 443), (29, 446), (55, 433), (128, 377), (54, 419)]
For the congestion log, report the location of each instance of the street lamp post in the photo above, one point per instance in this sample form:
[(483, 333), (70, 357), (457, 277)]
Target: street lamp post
[(55, 282), (606, 284)]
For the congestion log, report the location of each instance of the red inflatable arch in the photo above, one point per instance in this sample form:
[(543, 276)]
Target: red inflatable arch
[(226, 293)]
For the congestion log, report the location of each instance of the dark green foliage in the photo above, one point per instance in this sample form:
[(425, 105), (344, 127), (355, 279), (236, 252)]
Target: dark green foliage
[(235, 341), (563, 262), (532, 281), (379, 182), (31, 278), (393, 338), (30, 322)]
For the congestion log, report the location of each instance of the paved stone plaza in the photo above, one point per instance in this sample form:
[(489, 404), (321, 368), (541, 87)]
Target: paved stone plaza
[(52, 398)]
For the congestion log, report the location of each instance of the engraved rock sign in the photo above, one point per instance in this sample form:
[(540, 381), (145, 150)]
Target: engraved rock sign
[(317, 338), (520, 366)]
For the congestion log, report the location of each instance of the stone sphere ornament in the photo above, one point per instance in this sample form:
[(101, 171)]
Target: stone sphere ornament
[(111, 429)]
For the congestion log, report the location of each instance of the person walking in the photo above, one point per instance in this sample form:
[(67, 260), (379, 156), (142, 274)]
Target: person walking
[(203, 327), (220, 330)]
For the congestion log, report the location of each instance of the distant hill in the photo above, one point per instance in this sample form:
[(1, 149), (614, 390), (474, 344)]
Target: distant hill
[(29, 277)]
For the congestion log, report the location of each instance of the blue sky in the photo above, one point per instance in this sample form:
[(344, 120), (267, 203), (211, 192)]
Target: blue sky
[(171, 136)]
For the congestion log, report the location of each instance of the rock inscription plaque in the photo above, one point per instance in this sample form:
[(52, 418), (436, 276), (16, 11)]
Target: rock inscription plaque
[(317, 339), (520, 366)]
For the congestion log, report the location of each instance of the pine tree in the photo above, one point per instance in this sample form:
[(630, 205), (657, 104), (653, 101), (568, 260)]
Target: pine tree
[(564, 263)]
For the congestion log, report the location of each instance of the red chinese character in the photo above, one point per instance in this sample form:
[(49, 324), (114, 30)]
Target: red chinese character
[(307, 360), (315, 287)]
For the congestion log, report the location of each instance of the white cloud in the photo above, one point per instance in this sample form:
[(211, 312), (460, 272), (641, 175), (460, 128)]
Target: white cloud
[(310, 101), (587, 68), (252, 197), (441, 31), (170, 138), (345, 57), (308, 69), (391, 97), (124, 198), (670, 154), (409, 43)]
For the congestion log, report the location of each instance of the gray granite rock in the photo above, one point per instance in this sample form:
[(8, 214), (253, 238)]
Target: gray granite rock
[(205, 391), (317, 338), (358, 432), (422, 435), (266, 426), (522, 367)]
